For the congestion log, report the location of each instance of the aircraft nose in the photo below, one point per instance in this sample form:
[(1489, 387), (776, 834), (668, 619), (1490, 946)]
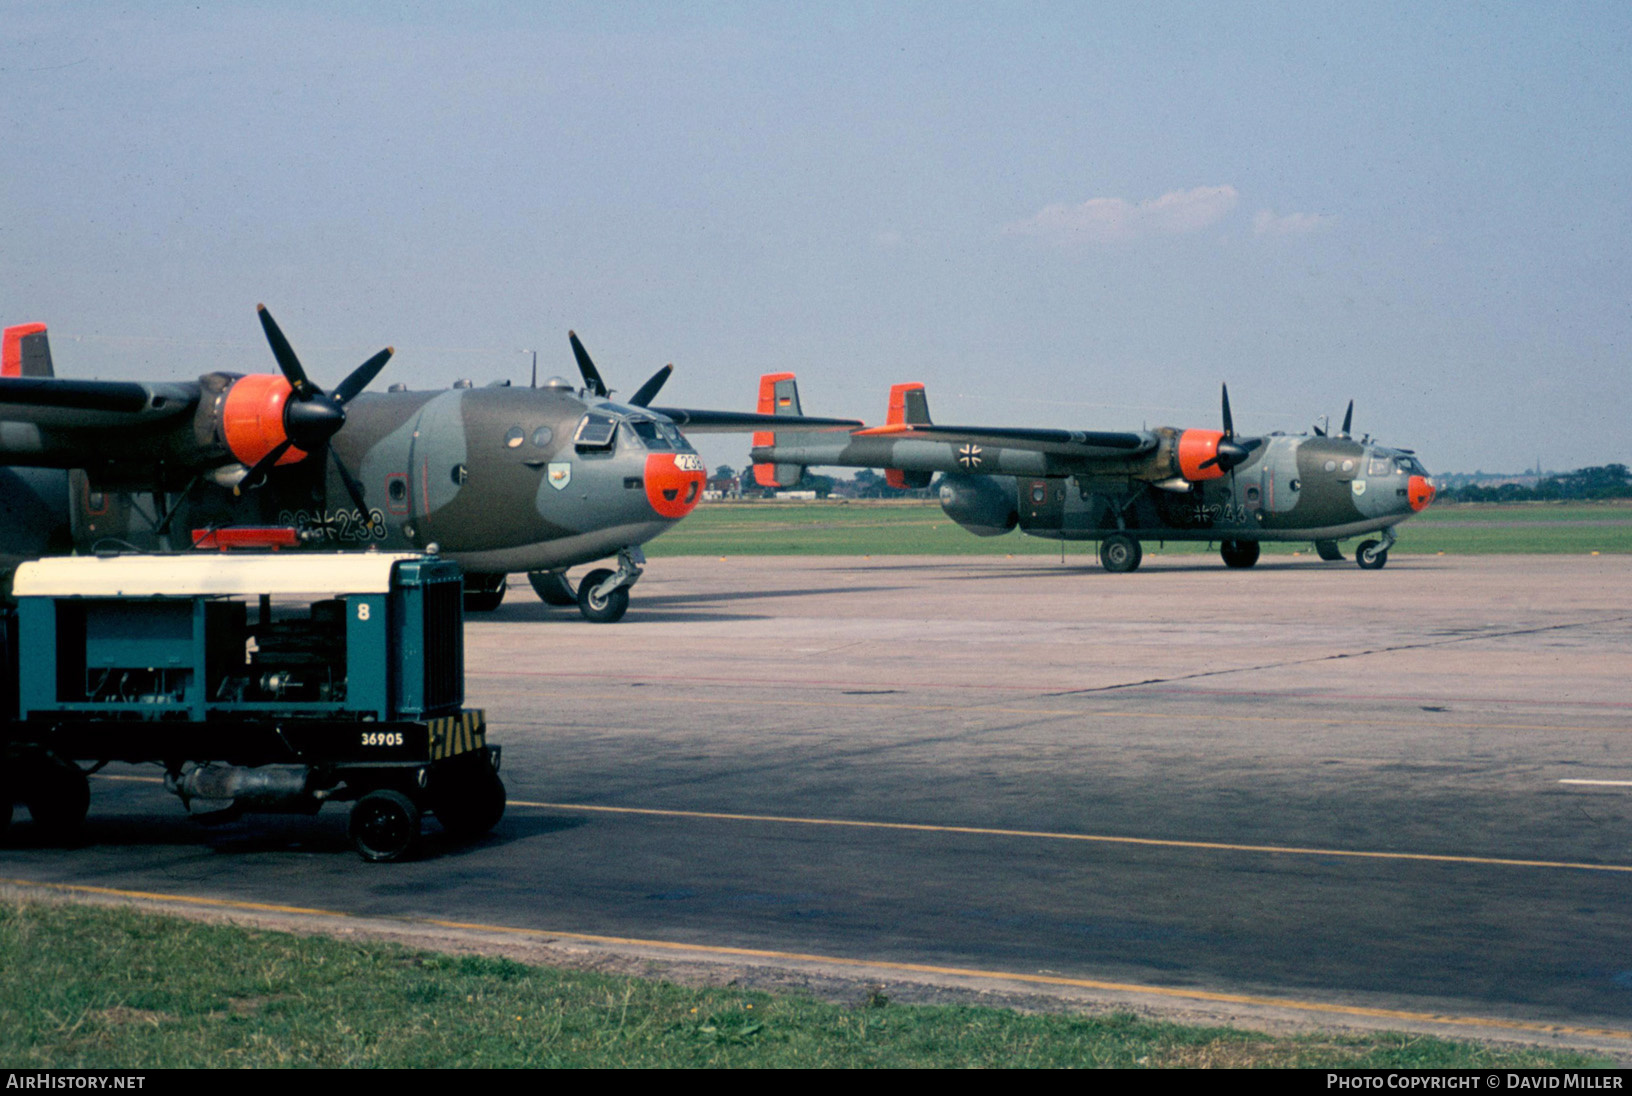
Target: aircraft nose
[(1420, 492), (674, 483)]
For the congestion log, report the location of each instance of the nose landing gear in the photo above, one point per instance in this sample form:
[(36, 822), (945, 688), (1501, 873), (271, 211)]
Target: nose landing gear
[(603, 595), (1370, 555)]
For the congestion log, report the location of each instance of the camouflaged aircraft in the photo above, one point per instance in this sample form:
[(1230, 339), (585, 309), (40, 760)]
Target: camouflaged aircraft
[(502, 479), (1122, 488)]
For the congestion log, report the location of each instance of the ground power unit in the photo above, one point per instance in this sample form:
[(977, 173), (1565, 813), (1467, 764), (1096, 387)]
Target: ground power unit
[(258, 682)]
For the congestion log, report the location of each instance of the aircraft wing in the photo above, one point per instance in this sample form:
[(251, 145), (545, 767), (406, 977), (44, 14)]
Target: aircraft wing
[(694, 421), (50, 401), (1085, 444)]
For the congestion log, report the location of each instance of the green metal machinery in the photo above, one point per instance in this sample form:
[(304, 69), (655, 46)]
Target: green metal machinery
[(257, 681)]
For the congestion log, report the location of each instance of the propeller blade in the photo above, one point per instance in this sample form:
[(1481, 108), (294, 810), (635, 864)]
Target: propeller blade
[(285, 354), (650, 389), (361, 376), (256, 475), (1231, 453), (1348, 417), (353, 488), (592, 376), (1229, 423)]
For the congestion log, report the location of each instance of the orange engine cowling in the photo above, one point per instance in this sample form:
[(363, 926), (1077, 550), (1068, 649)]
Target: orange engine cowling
[(1197, 447), (252, 418)]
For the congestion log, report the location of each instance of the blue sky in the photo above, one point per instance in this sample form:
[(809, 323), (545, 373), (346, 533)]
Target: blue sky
[(1068, 215)]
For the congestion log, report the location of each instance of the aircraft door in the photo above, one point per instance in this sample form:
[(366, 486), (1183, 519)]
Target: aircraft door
[(1042, 503), (437, 469)]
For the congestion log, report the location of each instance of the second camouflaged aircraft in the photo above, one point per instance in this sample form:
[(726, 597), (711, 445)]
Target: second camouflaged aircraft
[(1121, 488)]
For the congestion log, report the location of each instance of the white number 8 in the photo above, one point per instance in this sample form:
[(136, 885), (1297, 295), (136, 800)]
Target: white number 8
[(362, 610)]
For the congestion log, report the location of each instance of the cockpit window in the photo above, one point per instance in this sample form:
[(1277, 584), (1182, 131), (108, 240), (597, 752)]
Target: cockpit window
[(649, 434), (659, 436), (596, 431), (1410, 466), (1379, 466)]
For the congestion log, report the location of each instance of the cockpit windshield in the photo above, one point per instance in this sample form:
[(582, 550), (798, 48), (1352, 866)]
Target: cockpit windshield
[(1410, 466), (657, 436)]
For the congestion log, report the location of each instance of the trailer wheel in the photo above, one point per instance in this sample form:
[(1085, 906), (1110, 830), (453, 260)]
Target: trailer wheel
[(470, 803), (57, 796), (384, 826)]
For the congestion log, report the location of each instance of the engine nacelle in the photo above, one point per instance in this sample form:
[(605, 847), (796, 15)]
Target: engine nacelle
[(987, 506)]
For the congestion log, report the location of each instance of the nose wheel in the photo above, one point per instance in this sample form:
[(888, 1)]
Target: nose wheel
[(1371, 556), (603, 595)]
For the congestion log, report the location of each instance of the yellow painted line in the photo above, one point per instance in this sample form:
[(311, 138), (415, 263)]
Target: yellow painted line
[(1601, 783), (154, 896), (1104, 839), (870, 964), (1080, 713)]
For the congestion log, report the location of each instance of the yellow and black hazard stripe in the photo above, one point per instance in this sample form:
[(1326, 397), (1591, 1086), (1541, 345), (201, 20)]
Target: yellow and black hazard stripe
[(456, 734)]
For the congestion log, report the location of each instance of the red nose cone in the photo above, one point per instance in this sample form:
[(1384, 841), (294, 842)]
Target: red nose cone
[(1420, 492), (674, 483)]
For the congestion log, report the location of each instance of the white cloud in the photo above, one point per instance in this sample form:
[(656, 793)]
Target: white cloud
[(1266, 223), (1110, 220)]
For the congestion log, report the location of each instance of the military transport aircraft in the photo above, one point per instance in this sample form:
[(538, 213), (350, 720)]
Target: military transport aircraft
[(501, 479), (1122, 488)]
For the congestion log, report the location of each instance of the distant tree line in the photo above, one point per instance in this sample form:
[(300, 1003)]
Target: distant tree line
[(1606, 481)]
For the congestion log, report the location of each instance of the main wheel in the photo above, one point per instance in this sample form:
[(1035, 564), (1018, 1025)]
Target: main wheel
[(57, 795), (602, 610), (1369, 556), (470, 801), (384, 826), (552, 587), (1120, 553), (1239, 553), (483, 593)]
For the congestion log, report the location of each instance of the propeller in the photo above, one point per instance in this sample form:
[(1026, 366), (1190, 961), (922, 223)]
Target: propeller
[(592, 377), (1348, 418), (1231, 452), (312, 417)]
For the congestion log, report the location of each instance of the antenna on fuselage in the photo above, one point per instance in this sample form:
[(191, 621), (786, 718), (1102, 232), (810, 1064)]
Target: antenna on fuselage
[(534, 353)]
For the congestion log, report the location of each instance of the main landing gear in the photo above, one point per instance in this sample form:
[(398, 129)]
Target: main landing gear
[(483, 593), (602, 596), (1239, 553), (1119, 553)]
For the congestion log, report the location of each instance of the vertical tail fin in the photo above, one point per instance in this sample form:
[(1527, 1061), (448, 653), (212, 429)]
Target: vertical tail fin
[(26, 352), (909, 405), (778, 395)]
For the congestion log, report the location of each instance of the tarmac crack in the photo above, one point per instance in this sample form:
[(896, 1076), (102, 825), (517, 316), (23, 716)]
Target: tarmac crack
[(1394, 649)]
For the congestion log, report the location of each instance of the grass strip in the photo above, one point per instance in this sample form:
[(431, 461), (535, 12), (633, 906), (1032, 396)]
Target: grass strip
[(859, 528), (111, 987)]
